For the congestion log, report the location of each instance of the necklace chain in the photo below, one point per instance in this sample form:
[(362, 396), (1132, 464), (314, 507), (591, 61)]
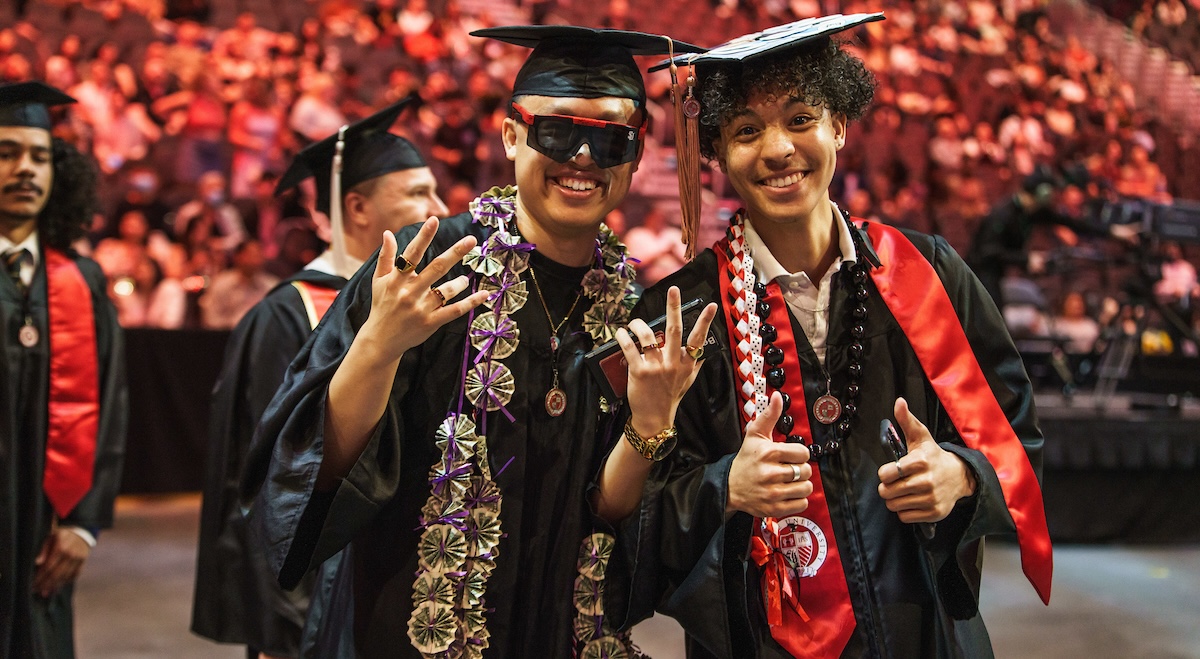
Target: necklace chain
[(538, 288)]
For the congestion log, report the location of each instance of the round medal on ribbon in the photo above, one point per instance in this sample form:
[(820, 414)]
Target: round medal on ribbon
[(827, 409), (28, 336)]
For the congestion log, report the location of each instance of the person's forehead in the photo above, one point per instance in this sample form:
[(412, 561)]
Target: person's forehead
[(759, 101), (25, 135), (607, 108)]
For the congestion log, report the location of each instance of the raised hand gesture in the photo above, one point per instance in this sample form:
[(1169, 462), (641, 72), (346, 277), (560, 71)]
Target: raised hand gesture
[(406, 309), (660, 372), (408, 306)]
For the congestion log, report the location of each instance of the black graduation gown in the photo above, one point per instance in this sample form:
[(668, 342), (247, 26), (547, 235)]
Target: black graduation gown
[(544, 466), (911, 598), (30, 626), (237, 598)]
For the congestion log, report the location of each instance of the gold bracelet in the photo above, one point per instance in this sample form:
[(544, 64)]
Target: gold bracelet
[(655, 447)]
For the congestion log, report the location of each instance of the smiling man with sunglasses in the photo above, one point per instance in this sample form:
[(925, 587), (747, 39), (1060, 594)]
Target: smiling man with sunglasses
[(452, 452)]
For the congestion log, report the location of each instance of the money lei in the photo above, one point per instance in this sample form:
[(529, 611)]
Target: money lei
[(462, 534)]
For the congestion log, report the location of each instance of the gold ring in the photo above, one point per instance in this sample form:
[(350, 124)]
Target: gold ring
[(654, 346), (694, 352), (440, 295), (795, 472), (404, 265)]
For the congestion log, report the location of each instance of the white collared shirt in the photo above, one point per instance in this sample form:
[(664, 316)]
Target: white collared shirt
[(808, 302), (30, 244), (324, 263)]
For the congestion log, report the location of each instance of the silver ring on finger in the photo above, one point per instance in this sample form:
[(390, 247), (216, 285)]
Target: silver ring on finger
[(795, 472), (899, 470)]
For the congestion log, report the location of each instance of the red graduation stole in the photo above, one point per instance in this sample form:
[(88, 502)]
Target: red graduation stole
[(808, 603), (818, 620), (316, 299), (74, 407), (915, 296)]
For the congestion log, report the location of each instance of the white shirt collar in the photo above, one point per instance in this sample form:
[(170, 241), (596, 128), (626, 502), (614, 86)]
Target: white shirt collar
[(768, 268), (324, 263), (30, 244)]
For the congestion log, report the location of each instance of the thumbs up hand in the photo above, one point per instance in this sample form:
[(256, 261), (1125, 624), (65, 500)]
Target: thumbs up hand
[(769, 478), (924, 485)]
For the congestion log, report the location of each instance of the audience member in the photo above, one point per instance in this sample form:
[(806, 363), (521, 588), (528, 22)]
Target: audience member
[(197, 114), (953, 78), (658, 244), (210, 214), (127, 137), (142, 193), (315, 114), (1075, 325), (168, 304), (122, 255), (232, 292), (257, 135)]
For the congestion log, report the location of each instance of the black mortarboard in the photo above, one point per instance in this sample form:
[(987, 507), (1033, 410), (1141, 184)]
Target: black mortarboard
[(358, 152), (369, 152), (777, 39), (29, 103), (583, 62)]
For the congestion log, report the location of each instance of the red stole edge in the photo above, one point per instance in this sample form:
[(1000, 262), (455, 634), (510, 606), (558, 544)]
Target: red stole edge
[(317, 300), (74, 396), (914, 294), (813, 617)]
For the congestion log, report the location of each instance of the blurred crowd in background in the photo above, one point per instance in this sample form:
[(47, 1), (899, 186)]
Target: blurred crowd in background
[(193, 108)]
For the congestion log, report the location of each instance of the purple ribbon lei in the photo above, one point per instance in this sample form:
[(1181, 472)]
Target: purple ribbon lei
[(477, 499), (438, 483), (505, 329), (503, 282), (487, 380), (494, 208), (625, 267), (457, 520), (497, 246)]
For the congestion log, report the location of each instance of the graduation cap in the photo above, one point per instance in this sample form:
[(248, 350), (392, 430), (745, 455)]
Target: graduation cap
[(805, 33), (358, 152), (28, 104), (582, 62)]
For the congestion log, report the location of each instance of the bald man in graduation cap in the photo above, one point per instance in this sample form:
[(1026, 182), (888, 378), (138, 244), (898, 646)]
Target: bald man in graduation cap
[(62, 425), (368, 181), (441, 423), (871, 421)]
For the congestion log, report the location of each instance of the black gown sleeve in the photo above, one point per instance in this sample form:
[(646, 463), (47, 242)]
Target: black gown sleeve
[(299, 526), (237, 597)]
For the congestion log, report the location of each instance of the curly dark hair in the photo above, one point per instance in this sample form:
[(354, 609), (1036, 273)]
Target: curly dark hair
[(823, 74), (72, 201)]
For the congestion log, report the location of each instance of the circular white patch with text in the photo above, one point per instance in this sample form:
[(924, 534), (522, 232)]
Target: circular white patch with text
[(803, 543)]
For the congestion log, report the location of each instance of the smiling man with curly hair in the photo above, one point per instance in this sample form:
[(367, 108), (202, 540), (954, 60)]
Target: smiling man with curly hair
[(783, 524)]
